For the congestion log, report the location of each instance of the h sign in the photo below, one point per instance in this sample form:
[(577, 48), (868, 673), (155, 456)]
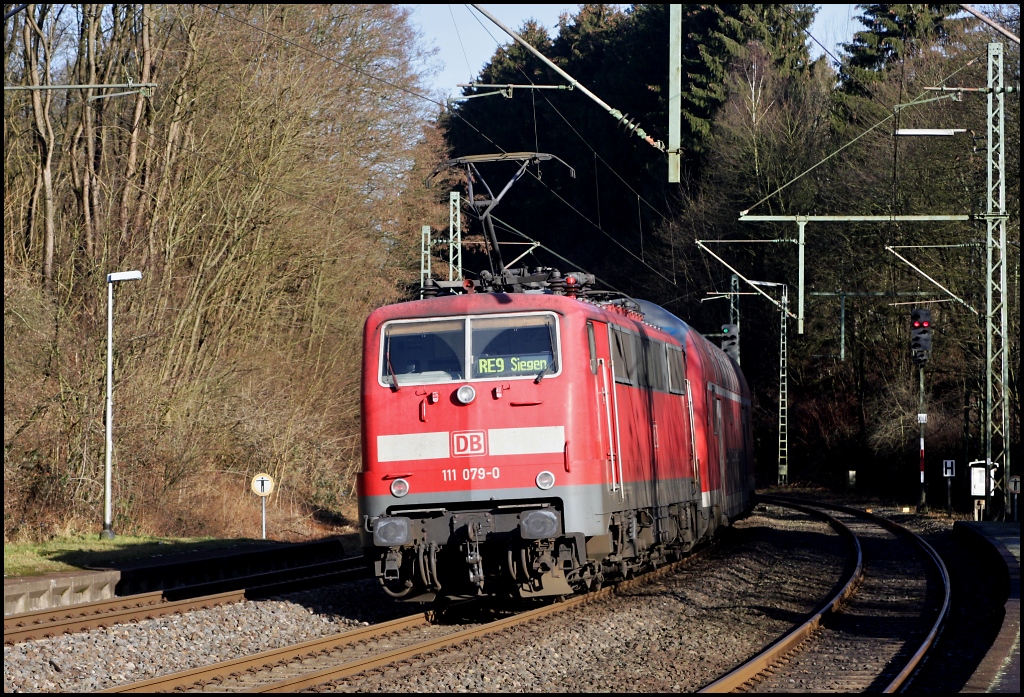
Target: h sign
[(466, 443), (948, 468)]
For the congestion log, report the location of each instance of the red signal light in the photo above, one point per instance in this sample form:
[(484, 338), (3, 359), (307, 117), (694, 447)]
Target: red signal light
[(927, 323), (917, 324)]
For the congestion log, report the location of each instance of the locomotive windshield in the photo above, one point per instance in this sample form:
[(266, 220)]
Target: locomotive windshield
[(424, 352), (435, 351), (513, 346)]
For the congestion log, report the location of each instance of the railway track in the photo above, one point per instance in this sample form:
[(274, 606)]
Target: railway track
[(82, 617), (402, 641), (874, 632), (869, 635)]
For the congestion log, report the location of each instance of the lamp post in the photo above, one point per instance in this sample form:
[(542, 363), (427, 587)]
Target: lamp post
[(112, 278)]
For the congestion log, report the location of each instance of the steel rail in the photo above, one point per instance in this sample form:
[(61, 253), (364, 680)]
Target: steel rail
[(775, 651), (933, 633), (205, 674), (784, 646), (67, 612), (42, 624), (118, 615), (398, 655), (198, 677)]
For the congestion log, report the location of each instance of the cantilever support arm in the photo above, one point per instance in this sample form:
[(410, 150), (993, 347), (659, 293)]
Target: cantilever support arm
[(929, 278), (614, 113), (773, 301)]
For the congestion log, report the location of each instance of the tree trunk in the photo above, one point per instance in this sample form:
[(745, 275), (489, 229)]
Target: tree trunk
[(36, 40)]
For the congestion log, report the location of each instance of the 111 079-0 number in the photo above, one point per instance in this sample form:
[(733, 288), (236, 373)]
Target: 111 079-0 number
[(468, 473)]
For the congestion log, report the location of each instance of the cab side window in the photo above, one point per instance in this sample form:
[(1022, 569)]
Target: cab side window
[(676, 371), (624, 356), (593, 347)]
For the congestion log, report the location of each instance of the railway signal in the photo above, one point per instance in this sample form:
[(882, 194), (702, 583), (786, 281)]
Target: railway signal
[(920, 335), (731, 341), (920, 352)]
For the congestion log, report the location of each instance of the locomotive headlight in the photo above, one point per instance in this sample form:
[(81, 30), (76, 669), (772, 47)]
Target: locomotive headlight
[(539, 525), (465, 394), (399, 488), (391, 532), (545, 480)]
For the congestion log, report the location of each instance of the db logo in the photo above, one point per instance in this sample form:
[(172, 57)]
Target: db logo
[(466, 443)]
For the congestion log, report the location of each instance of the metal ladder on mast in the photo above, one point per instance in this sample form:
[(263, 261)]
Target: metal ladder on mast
[(783, 394)]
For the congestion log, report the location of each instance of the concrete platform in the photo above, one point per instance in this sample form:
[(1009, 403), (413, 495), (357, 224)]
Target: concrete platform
[(168, 572), (999, 671), (57, 590)]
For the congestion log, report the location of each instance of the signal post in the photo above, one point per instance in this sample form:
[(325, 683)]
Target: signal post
[(921, 351)]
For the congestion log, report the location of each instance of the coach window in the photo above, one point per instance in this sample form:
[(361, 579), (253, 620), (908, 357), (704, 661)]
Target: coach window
[(676, 371), (624, 356), (593, 347)]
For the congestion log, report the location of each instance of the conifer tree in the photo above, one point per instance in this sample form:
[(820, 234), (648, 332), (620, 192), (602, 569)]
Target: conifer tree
[(892, 33)]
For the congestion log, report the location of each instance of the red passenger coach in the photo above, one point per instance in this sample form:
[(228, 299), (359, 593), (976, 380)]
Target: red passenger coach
[(539, 442)]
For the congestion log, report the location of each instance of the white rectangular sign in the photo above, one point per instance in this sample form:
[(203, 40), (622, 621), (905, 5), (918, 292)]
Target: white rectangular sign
[(977, 481), (948, 468)]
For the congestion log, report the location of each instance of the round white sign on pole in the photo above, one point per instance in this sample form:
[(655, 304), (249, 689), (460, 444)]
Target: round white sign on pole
[(262, 485)]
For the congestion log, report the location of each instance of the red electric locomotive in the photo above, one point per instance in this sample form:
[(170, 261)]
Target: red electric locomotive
[(537, 442)]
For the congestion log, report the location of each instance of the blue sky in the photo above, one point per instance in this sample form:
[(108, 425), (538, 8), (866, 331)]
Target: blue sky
[(464, 44)]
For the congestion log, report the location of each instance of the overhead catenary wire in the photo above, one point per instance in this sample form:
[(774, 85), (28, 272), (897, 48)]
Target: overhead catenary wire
[(580, 213), (597, 156), (613, 112), (837, 61), (461, 45)]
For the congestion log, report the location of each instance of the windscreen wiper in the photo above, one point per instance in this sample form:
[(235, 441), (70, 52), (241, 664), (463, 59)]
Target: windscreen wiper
[(395, 387)]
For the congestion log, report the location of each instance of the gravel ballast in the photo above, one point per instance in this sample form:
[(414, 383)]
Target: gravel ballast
[(677, 633), (103, 658)]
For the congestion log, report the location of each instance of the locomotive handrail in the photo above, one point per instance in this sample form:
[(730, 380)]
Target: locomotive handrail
[(693, 439), (618, 438), (608, 421)]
